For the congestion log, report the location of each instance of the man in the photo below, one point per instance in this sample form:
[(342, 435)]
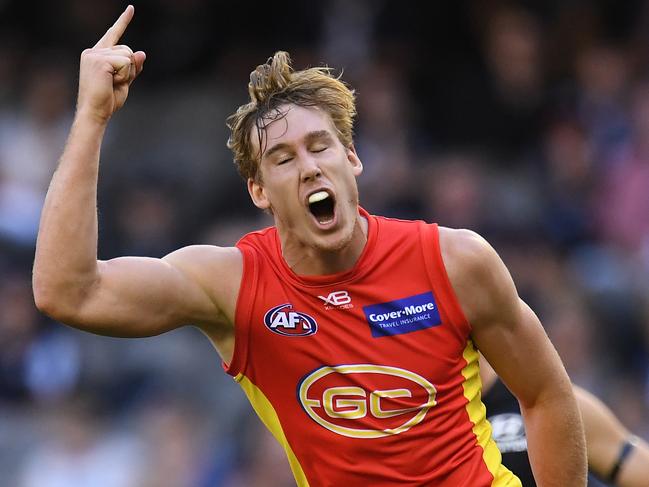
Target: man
[(352, 335), (614, 454)]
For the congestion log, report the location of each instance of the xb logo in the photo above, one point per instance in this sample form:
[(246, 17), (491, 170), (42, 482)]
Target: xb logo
[(366, 401), (337, 299)]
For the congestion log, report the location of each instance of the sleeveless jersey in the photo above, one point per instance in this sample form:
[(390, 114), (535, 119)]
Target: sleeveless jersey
[(367, 377)]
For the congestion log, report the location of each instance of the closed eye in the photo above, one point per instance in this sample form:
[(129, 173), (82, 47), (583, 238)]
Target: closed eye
[(284, 161), (319, 149)]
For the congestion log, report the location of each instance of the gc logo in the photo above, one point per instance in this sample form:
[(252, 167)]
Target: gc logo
[(366, 401)]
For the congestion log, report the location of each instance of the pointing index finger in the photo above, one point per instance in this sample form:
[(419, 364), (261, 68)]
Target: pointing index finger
[(116, 31)]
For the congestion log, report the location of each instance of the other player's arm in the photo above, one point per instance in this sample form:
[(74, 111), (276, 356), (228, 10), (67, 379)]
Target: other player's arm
[(127, 296), (512, 339), (614, 454)]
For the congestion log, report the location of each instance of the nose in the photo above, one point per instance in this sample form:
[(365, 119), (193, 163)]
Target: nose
[(309, 168)]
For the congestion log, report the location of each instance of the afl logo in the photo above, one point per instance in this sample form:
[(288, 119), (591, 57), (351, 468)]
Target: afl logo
[(366, 401), (283, 321)]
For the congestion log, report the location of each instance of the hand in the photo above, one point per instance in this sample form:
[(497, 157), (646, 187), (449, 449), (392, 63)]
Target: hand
[(107, 71)]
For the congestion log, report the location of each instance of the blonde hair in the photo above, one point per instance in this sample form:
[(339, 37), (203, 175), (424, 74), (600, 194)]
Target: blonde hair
[(276, 83)]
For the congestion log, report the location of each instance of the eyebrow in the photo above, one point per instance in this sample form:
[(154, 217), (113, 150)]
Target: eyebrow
[(310, 137)]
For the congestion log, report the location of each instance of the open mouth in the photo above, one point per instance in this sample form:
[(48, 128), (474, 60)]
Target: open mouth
[(321, 205)]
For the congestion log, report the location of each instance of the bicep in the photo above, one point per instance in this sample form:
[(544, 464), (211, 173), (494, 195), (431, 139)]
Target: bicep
[(520, 351), (142, 296)]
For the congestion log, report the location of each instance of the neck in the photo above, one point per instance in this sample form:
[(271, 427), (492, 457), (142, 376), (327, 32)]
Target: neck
[(308, 260)]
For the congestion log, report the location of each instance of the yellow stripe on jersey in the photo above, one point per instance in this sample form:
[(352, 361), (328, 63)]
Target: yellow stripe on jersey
[(267, 414), (472, 384)]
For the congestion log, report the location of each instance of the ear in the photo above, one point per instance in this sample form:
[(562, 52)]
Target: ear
[(352, 157), (258, 194)]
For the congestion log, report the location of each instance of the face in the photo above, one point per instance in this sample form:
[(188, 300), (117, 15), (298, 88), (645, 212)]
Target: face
[(308, 179)]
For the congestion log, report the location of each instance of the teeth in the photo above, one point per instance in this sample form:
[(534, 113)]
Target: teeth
[(319, 196)]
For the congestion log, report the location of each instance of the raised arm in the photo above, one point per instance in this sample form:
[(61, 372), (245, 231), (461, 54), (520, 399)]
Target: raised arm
[(511, 338), (127, 296)]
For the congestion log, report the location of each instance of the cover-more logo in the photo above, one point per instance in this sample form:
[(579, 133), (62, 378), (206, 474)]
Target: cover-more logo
[(404, 315), (365, 400), (283, 320), (337, 299)]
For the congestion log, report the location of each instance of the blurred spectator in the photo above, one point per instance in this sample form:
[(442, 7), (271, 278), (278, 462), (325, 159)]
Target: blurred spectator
[(567, 179), (19, 327), (146, 220), (174, 445), (263, 462), (36, 361), (31, 139), (347, 41), (382, 140), (623, 203), (574, 332), (78, 452), (455, 190), (602, 74)]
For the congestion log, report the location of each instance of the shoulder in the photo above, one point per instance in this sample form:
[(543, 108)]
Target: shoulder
[(460, 242), (263, 237), (467, 256), (478, 276)]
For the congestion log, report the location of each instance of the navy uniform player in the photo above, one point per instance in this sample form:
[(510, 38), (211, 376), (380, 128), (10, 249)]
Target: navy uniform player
[(615, 455)]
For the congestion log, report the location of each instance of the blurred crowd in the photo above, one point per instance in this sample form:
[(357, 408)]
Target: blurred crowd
[(524, 121)]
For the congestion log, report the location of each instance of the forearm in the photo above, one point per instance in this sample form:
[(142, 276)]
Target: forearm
[(555, 441), (65, 264)]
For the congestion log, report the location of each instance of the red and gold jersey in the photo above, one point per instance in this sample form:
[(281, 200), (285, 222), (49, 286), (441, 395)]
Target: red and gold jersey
[(366, 377)]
